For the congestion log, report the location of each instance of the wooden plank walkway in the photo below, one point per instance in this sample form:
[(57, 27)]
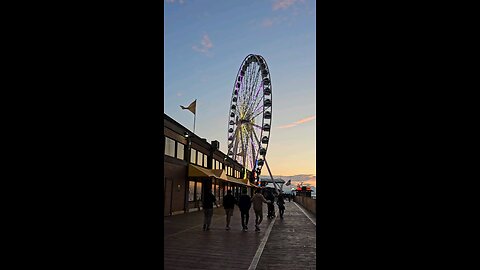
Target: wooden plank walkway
[(291, 242)]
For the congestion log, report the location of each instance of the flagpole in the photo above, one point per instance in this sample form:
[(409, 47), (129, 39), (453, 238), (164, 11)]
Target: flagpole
[(194, 116)]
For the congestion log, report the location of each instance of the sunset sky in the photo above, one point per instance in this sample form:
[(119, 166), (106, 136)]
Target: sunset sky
[(206, 41)]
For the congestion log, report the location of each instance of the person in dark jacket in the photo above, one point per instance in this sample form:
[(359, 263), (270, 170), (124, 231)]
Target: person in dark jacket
[(281, 205), (271, 206), (244, 203), (208, 201), (229, 202)]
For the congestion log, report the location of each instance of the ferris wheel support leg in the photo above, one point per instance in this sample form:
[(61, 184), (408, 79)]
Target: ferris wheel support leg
[(269, 172)]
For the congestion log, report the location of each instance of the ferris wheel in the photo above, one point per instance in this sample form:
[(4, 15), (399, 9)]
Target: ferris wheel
[(250, 114)]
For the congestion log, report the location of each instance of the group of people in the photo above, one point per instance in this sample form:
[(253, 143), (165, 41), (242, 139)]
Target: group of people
[(244, 203)]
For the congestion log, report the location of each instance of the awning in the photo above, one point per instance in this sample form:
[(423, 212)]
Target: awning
[(197, 171), (236, 181), (247, 183)]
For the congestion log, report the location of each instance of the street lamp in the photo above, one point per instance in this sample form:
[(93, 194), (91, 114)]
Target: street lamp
[(187, 157)]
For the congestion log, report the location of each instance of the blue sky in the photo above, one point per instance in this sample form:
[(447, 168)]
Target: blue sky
[(206, 41)]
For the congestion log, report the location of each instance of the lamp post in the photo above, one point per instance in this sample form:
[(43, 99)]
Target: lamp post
[(187, 157), (224, 167)]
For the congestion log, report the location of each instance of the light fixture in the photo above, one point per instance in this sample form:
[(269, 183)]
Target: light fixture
[(186, 135)]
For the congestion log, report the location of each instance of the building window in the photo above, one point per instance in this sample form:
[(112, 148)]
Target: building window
[(205, 162), (193, 156), (169, 147), (180, 151), (198, 195), (191, 191), (200, 158)]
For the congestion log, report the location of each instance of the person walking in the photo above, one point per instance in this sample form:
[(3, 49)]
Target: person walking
[(258, 201), (244, 203), (281, 205), (229, 202), (271, 207), (208, 201)]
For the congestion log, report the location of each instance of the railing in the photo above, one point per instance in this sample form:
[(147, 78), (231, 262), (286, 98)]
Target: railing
[(308, 203)]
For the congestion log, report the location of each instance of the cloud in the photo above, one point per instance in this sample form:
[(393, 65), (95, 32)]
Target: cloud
[(206, 44), (287, 126), (301, 121), (284, 4), (308, 119), (173, 1), (285, 17), (267, 23)]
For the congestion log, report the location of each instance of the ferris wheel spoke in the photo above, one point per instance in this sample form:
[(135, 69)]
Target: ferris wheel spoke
[(255, 101), (252, 81), (257, 126), (256, 80), (258, 112), (242, 88), (259, 131), (243, 148), (235, 143), (253, 147), (252, 156), (247, 85), (257, 105), (255, 87), (258, 141)]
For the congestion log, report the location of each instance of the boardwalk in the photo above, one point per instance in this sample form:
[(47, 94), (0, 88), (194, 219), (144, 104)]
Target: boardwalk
[(290, 242)]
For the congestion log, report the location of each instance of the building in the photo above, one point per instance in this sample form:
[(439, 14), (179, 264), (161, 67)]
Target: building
[(192, 166)]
